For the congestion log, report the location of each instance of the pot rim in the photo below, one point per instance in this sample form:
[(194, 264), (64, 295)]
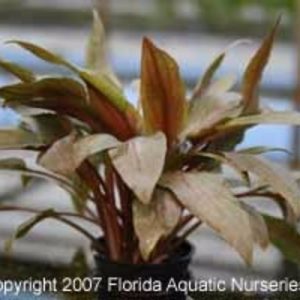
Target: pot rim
[(186, 256)]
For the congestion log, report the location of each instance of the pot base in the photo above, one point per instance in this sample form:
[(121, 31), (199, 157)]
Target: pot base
[(144, 281)]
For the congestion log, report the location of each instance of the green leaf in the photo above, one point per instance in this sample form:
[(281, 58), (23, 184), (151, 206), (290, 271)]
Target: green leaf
[(96, 54), (259, 227), (102, 83), (207, 197), (162, 92), (24, 228), (254, 72), (78, 191), (80, 196), (18, 71), (285, 238), (96, 48), (207, 78), (26, 180), (12, 164), (275, 176), (106, 97), (44, 54), (79, 265), (140, 163)]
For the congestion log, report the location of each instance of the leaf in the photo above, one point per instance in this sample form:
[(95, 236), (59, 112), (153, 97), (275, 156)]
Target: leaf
[(206, 197), (206, 79), (62, 95), (147, 228), (24, 228), (18, 138), (67, 154), (49, 87), (259, 227), (94, 144), (205, 82), (261, 150), (291, 118), (155, 220), (18, 71), (44, 54), (274, 176), (59, 157), (222, 85), (162, 92), (285, 238), (80, 196), (12, 164), (167, 209), (219, 159), (209, 112), (231, 133), (101, 83), (110, 105), (96, 51), (96, 56), (254, 72), (49, 127), (140, 163), (107, 98), (79, 265), (77, 190)]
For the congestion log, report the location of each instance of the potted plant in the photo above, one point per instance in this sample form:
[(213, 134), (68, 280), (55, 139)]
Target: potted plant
[(148, 176)]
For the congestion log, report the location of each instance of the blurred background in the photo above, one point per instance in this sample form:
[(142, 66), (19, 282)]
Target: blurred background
[(194, 32)]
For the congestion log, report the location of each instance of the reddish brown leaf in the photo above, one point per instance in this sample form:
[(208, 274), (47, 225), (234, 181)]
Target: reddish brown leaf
[(255, 70), (114, 121), (162, 92)]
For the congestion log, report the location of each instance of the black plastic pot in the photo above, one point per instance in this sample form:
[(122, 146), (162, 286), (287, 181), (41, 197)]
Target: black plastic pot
[(144, 281)]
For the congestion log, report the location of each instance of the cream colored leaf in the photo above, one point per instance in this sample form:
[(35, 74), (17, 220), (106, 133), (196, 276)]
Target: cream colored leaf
[(93, 144), (60, 156), (221, 85), (206, 196), (275, 176), (66, 155), (140, 163), (287, 117), (209, 112), (259, 227), (155, 220), (167, 209), (148, 229)]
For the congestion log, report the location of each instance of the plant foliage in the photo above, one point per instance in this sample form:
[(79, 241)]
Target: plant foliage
[(147, 178)]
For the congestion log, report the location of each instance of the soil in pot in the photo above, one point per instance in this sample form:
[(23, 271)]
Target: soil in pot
[(144, 281)]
